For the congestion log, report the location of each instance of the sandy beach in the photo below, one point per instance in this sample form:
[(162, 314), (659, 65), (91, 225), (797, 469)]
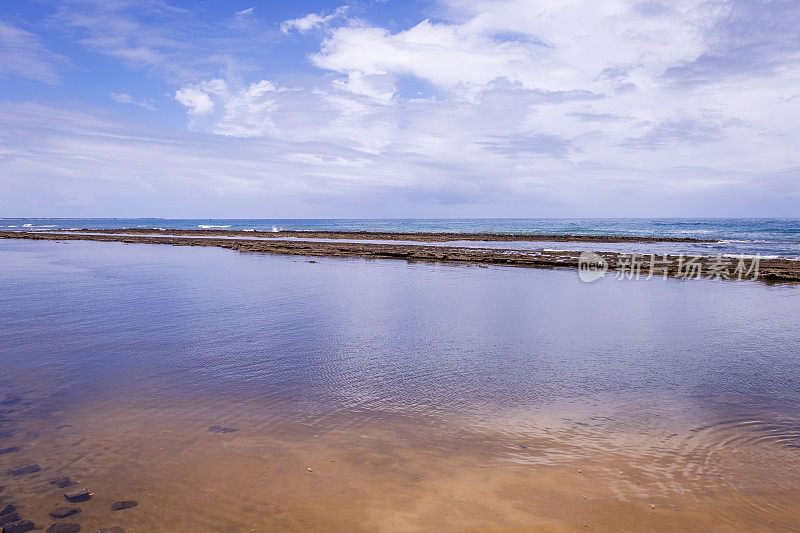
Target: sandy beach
[(397, 474)]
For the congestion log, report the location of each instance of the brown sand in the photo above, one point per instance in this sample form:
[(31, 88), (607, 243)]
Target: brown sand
[(397, 474)]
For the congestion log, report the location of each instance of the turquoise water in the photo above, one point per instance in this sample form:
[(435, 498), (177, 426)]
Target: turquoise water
[(767, 237)]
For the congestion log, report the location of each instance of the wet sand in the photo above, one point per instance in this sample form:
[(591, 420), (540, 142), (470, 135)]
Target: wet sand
[(397, 474), (770, 270)]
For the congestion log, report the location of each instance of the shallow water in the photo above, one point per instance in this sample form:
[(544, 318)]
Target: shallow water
[(421, 396)]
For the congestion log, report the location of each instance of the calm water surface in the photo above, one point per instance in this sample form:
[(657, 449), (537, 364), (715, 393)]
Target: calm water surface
[(382, 333), (666, 373)]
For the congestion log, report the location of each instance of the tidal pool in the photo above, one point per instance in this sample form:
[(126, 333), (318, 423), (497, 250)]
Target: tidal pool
[(385, 395)]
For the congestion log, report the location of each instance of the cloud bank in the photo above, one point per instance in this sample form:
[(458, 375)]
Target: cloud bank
[(487, 108)]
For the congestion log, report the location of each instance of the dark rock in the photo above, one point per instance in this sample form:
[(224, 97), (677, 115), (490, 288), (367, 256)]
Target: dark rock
[(24, 469), (79, 495), (63, 512), (61, 481), (12, 449), (523, 446), (61, 527), (220, 429), (8, 518), (7, 509), (115, 529), (124, 504), (19, 527)]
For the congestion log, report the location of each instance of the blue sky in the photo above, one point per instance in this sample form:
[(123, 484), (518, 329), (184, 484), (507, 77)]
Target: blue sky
[(433, 108)]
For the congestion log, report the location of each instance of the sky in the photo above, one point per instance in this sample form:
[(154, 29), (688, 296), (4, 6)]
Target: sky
[(372, 109)]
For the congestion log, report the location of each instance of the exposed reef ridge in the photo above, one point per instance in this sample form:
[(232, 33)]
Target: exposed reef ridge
[(769, 270)]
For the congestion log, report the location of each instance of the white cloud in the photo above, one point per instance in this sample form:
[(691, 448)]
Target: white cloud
[(79, 164), (176, 44), (22, 55), (125, 98), (247, 113), (246, 12), (546, 45), (312, 20), (240, 113), (197, 97), (377, 86), (437, 52)]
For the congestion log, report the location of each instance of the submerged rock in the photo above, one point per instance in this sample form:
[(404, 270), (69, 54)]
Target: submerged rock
[(24, 469), (79, 495), (124, 504), (8, 518), (7, 509), (220, 429), (63, 512), (61, 481), (19, 527), (12, 449), (60, 527)]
